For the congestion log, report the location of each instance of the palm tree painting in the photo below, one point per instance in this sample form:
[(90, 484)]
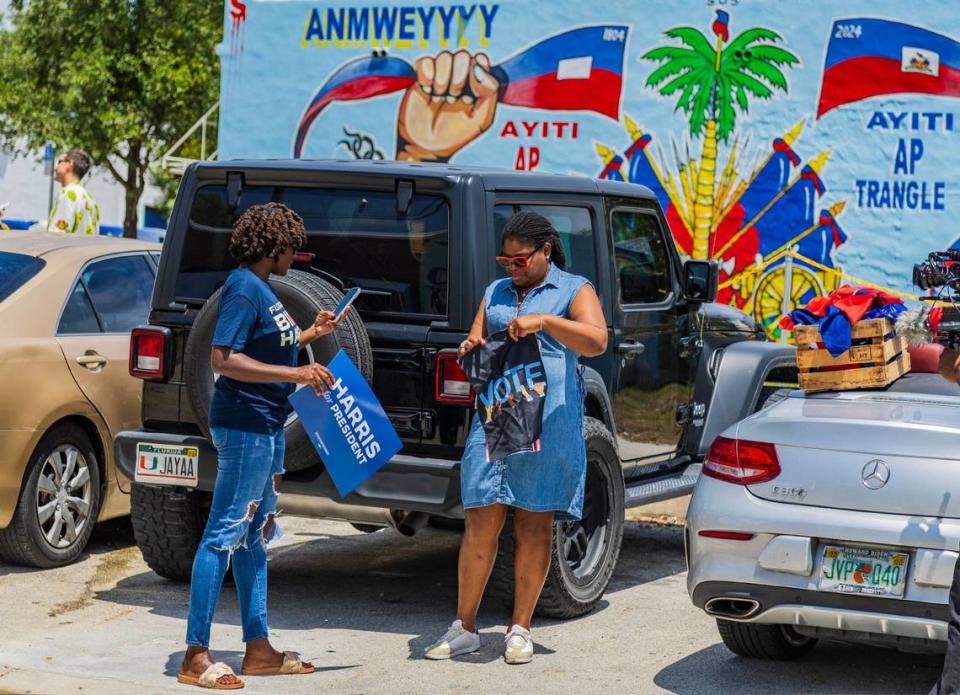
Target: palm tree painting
[(712, 84), (753, 210)]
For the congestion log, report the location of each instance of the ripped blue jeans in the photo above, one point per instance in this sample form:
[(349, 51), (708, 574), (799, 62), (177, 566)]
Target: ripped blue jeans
[(242, 520)]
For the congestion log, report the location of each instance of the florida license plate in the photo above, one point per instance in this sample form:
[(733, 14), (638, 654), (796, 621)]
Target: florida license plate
[(872, 571), (163, 464)]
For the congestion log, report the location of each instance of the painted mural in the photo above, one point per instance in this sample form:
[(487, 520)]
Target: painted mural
[(799, 145)]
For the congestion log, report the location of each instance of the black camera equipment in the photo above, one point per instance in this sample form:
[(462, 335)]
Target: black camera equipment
[(940, 323), (941, 269)]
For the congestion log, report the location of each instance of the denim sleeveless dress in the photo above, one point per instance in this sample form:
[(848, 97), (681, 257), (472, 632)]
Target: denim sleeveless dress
[(551, 479)]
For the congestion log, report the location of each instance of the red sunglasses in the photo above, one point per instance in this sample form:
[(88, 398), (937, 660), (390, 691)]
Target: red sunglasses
[(516, 262)]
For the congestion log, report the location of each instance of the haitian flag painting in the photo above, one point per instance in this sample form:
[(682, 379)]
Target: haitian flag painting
[(872, 57)]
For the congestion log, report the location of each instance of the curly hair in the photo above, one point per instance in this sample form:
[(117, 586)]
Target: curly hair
[(264, 231)]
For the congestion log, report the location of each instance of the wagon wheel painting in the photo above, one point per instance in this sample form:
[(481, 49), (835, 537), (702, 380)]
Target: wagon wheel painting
[(768, 300)]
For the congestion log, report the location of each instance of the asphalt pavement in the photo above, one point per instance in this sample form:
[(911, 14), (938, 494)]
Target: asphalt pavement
[(362, 607)]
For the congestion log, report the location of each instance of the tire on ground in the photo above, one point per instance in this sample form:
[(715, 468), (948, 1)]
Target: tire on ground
[(303, 295), (167, 525), (22, 542), (757, 641), (583, 553)]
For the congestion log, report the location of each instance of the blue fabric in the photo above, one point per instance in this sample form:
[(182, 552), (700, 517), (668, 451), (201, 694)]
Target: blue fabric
[(835, 331), (835, 326), (253, 321), (246, 465), (887, 311), (551, 479)]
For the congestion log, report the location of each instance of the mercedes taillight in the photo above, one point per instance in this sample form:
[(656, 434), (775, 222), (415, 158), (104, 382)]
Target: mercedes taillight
[(741, 461)]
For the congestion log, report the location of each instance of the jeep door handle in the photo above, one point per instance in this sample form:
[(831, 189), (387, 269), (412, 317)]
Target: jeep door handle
[(92, 361), (631, 347)]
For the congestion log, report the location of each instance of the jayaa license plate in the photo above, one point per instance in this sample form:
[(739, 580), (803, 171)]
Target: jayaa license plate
[(163, 464), (872, 571)]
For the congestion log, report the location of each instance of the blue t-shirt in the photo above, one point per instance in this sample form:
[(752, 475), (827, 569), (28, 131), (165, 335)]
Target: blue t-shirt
[(253, 321)]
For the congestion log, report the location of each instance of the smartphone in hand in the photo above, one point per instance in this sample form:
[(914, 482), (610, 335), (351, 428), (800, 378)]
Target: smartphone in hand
[(347, 300)]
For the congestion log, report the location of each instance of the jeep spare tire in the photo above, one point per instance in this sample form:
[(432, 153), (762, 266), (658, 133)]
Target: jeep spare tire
[(303, 295)]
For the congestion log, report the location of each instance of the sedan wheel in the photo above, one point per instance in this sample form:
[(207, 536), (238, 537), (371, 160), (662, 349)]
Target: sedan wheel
[(64, 494), (59, 501)]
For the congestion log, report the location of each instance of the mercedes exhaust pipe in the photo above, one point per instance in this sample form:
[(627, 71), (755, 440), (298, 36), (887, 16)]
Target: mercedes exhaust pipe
[(733, 607)]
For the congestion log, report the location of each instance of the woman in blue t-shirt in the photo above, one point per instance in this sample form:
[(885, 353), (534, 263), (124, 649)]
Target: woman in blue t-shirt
[(255, 348)]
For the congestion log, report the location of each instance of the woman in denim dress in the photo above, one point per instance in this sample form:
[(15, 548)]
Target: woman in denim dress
[(563, 310)]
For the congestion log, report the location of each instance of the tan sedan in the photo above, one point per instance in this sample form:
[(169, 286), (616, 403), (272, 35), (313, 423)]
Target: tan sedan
[(67, 305)]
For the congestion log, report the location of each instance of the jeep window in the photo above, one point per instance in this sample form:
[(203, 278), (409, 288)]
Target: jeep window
[(400, 260), (573, 224), (15, 270), (643, 266)]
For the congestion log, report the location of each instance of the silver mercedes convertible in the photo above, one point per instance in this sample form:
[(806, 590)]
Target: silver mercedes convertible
[(831, 516)]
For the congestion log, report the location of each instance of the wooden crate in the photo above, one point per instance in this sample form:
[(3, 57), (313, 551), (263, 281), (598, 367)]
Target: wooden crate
[(882, 354)]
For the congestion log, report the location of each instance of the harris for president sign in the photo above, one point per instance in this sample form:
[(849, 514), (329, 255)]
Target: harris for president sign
[(348, 426)]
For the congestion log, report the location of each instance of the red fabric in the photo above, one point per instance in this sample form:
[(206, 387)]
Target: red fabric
[(936, 316), (852, 301)]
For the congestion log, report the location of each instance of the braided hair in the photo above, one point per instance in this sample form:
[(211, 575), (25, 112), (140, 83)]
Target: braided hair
[(265, 231), (536, 230)]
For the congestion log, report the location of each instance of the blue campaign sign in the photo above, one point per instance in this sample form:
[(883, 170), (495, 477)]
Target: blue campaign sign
[(347, 426)]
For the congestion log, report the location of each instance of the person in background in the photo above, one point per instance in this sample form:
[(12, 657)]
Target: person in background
[(75, 212), (562, 309)]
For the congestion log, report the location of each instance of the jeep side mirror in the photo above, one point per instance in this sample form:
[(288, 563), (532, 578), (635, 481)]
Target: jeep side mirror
[(700, 280)]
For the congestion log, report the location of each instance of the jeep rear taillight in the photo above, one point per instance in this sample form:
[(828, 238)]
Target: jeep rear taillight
[(150, 351), (741, 461), (452, 385)]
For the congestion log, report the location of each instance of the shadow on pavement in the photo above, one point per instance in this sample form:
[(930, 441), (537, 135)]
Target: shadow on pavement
[(831, 668), (363, 581), (491, 647), (107, 537)]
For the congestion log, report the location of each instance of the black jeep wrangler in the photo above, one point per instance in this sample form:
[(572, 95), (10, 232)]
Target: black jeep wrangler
[(420, 241)]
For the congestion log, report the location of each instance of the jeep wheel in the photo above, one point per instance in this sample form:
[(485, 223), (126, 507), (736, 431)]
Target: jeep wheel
[(584, 552), (167, 525), (59, 502), (303, 295), (755, 641)]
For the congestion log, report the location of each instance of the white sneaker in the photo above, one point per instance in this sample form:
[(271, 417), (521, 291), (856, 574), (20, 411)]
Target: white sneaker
[(455, 642), (519, 646)]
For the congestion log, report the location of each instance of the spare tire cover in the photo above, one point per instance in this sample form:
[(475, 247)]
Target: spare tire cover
[(303, 295)]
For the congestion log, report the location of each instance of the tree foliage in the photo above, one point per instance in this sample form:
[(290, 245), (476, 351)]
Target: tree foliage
[(750, 64), (124, 79)]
